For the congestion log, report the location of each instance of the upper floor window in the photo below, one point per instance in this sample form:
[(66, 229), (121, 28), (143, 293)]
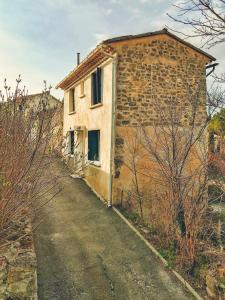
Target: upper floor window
[(82, 89), (96, 85), (72, 100)]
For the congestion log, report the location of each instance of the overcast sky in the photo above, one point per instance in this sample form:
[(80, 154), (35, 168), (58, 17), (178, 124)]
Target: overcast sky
[(39, 38)]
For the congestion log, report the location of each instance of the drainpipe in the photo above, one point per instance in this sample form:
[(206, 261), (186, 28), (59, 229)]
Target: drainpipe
[(114, 66), (212, 67)]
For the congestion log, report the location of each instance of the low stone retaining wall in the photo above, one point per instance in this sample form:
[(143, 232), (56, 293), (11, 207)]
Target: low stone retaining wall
[(18, 277)]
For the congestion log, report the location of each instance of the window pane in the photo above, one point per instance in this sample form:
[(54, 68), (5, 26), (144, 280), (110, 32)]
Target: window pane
[(97, 86), (72, 100), (93, 145), (72, 142)]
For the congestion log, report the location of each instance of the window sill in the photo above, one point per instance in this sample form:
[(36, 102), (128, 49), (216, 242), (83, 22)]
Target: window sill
[(96, 105), (95, 163), (72, 113), (82, 96)]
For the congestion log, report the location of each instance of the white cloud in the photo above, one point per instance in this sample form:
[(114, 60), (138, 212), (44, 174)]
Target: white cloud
[(99, 37), (115, 1), (107, 12), (15, 60), (39, 40), (150, 1)]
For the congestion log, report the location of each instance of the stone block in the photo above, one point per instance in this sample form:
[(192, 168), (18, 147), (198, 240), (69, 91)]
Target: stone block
[(20, 282), (221, 272), (211, 284), (210, 294)]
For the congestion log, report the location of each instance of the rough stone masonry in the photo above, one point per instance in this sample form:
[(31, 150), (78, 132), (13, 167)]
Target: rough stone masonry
[(153, 73), (18, 266)]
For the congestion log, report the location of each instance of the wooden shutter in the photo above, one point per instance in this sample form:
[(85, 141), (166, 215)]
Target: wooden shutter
[(94, 88), (99, 85), (96, 85), (73, 99)]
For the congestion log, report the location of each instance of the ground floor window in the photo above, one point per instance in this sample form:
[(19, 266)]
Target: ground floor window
[(71, 142), (93, 145)]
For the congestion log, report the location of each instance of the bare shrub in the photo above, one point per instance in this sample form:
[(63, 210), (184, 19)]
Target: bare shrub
[(26, 134), (134, 156), (180, 154), (169, 165)]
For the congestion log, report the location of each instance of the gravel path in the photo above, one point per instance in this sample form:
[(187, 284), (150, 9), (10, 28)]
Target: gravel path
[(85, 251)]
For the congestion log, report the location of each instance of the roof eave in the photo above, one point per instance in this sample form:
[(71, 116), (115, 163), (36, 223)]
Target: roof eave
[(99, 53)]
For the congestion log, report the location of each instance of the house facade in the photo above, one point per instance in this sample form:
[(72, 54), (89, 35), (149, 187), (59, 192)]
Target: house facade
[(53, 106), (35, 101), (111, 92)]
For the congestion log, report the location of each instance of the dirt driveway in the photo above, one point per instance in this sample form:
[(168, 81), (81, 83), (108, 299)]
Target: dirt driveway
[(85, 251)]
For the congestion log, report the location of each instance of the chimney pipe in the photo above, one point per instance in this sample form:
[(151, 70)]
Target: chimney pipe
[(78, 58)]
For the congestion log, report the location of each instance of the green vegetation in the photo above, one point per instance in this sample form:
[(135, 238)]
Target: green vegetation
[(131, 216), (169, 254), (201, 267), (217, 124)]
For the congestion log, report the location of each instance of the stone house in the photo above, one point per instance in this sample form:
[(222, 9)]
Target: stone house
[(34, 100), (111, 92), (53, 107)]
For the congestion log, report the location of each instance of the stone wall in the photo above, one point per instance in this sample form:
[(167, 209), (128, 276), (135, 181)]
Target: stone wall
[(56, 138), (18, 278), (153, 73), (155, 70)]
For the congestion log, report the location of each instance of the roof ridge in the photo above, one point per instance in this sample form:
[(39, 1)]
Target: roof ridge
[(66, 81), (39, 94), (162, 31)]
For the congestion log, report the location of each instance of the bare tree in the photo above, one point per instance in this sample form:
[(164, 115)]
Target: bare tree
[(175, 151), (134, 156), (180, 154), (206, 17)]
